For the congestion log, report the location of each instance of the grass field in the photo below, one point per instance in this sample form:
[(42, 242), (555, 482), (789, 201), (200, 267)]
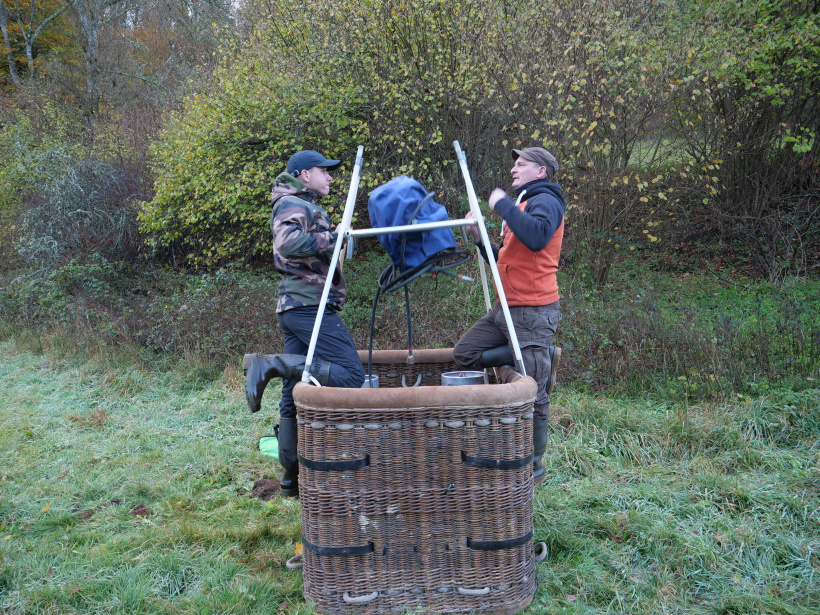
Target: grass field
[(650, 506)]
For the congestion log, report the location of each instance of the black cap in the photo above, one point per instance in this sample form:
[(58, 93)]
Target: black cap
[(307, 159)]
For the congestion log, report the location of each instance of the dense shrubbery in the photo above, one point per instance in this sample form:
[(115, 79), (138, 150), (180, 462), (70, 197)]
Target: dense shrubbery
[(63, 200), (649, 121), (406, 79), (751, 125), (88, 209), (653, 125)]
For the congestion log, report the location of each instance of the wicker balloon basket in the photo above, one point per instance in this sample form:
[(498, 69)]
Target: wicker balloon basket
[(417, 498)]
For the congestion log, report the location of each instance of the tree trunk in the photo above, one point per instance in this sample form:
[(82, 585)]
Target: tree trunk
[(30, 56), (90, 13), (7, 44), (28, 33)]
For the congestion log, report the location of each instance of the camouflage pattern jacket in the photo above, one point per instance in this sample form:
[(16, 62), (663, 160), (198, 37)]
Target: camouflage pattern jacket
[(303, 242)]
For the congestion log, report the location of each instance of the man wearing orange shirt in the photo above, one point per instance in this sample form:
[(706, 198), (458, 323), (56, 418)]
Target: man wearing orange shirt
[(527, 258)]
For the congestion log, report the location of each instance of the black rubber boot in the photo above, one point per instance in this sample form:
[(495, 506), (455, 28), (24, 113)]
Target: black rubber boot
[(496, 357), (260, 368), (540, 435), (288, 457)]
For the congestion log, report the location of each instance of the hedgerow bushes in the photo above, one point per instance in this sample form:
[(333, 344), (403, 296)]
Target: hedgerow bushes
[(751, 125), (62, 199), (406, 79), (656, 110)]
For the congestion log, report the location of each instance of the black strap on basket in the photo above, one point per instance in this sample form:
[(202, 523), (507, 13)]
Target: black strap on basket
[(496, 545), (499, 464), (359, 550), (335, 466)]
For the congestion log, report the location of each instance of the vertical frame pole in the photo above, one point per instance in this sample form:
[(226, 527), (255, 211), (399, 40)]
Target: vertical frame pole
[(485, 240), (347, 216)]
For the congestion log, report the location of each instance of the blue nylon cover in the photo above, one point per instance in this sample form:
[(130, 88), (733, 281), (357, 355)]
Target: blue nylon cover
[(392, 204)]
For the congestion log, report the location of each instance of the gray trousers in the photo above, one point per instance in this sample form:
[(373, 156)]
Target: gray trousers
[(535, 327)]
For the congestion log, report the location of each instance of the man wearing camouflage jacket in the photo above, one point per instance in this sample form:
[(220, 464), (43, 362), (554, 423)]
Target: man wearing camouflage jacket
[(303, 245)]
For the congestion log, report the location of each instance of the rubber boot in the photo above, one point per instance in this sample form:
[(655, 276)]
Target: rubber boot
[(288, 445), (540, 435), (497, 357), (260, 368)]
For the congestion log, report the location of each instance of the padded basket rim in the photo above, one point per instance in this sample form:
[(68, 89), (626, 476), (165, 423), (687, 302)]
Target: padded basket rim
[(523, 390), (420, 355)]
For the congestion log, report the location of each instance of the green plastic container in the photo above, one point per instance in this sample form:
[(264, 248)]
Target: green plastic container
[(269, 447)]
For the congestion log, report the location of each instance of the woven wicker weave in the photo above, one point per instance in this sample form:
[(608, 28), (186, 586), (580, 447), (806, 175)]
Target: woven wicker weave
[(417, 524)]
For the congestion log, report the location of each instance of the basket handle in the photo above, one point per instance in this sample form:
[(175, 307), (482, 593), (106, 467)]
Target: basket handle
[(404, 381), (294, 563), (473, 592), (540, 557), (359, 599)]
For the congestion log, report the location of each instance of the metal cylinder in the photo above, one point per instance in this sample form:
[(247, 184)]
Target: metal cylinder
[(463, 377), (371, 382)]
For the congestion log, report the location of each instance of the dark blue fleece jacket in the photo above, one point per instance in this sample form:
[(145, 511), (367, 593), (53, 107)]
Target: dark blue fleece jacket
[(544, 213)]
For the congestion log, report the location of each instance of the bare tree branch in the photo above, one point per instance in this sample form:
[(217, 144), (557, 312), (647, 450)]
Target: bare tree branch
[(28, 32)]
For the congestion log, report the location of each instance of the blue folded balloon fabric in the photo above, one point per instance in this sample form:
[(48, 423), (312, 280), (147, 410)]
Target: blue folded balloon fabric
[(393, 204)]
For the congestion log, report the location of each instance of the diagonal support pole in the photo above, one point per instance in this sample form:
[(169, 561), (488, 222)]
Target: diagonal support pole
[(485, 240)]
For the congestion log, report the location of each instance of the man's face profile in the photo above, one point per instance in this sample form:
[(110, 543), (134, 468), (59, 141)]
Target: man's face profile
[(317, 179), (524, 171)]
